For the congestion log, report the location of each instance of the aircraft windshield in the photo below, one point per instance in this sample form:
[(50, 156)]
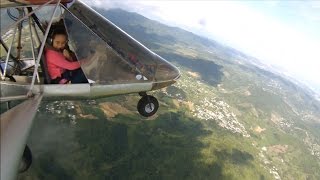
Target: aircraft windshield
[(98, 60), (109, 55)]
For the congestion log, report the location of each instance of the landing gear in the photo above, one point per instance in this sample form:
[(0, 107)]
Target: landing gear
[(147, 105), (26, 160)]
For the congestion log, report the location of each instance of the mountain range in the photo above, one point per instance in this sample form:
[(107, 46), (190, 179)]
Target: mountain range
[(227, 117)]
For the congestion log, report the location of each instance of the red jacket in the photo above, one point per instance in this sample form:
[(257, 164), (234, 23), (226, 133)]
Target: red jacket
[(58, 64)]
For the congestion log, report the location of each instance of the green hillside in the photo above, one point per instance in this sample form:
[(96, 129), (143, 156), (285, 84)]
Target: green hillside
[(224, 119)]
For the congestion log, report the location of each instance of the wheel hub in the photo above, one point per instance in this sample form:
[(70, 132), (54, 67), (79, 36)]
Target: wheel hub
[(149, 107)]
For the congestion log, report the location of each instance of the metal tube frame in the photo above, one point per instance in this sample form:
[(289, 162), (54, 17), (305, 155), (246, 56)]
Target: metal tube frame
[(19, 47), (32, 44), (41, 49), (14, 25), (8, 54), (29, 14)]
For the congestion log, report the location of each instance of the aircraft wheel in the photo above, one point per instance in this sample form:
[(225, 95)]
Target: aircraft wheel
[(26, 160), (148, 106)]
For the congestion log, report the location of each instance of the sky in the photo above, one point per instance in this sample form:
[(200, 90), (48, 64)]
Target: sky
[(285, 34)]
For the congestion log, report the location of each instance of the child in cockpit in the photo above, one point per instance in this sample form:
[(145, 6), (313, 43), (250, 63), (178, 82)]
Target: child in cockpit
[(61, 64)]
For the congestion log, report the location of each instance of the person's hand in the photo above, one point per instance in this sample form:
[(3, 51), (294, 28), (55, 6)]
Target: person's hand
[(67, 54)]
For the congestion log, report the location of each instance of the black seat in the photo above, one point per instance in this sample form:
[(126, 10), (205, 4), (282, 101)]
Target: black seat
[(44, 68)]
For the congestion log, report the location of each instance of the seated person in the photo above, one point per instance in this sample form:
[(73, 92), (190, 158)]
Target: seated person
[(62, 66)]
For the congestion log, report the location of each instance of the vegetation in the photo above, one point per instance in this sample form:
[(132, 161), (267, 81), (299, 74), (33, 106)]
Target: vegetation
[(224, 119)]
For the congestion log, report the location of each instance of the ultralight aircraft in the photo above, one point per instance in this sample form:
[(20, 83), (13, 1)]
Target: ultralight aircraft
[(113, 62)]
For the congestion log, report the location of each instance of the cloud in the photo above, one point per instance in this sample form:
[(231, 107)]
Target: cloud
[(315, 4), (311, 10)]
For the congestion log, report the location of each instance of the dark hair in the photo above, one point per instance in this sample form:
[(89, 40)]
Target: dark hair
[(59, 31)]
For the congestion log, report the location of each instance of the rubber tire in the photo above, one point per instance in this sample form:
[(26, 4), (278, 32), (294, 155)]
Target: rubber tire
[(26, 160), (144, 102)]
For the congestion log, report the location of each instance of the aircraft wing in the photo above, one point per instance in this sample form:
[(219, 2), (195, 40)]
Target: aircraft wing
[(16, 124)]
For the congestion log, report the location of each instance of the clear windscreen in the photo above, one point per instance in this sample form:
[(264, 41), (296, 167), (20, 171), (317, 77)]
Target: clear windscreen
[(109, 55), (98, 60)]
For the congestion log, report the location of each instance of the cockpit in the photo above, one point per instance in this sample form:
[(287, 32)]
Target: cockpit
[(107, 54)]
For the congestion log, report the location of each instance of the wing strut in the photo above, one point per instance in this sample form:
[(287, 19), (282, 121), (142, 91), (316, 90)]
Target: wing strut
[(16, 124)]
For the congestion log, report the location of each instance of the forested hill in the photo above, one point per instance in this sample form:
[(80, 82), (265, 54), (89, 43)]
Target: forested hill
[(172, 42), (225, 118), (152, 33)]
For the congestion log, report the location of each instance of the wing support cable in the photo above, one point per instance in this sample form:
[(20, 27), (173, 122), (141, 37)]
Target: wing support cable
[(41, 49), (36, 20), (32, 43), (15, 26), (29, 14), (8, 54)]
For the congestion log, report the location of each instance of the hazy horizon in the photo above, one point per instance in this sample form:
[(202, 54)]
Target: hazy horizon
[(281, 34)]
